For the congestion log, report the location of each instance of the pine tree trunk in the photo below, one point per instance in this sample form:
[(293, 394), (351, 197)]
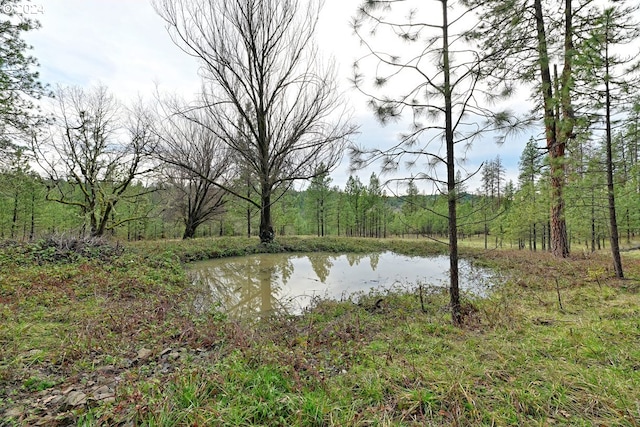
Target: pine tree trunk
[(613, 223), (556, 147), (454, 290)]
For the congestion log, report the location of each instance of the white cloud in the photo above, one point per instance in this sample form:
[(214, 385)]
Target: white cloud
[(122, 44)]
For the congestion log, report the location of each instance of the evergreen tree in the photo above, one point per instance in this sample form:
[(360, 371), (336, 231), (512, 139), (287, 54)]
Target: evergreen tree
[(410, 208), (19, 189), (609, 80), (354, 191), (438, 83), (19, 84), (529, 167), (375, 206), (319, 194), (522, 38)]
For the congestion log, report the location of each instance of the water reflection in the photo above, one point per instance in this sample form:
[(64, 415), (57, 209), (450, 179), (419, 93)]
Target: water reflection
[(246, 285), (255, 285), (321, 264)]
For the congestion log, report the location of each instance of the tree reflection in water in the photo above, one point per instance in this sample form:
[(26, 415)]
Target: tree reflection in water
[(354, 259), (321, 264), (246, 286), (264, 284), (374, 259)]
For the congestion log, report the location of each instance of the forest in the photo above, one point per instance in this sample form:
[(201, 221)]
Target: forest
[(503, 213), (92, 165), (108, 203), (253, 153)]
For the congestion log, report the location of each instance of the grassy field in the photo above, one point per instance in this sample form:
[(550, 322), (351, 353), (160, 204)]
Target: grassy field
[(94, 334)]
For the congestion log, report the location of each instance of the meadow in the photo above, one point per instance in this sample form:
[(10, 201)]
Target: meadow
[(95, 333)]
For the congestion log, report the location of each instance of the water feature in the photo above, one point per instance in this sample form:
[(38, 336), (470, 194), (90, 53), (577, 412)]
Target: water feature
[(265, 283)]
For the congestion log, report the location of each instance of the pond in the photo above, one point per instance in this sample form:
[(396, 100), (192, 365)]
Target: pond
[(287, 283)]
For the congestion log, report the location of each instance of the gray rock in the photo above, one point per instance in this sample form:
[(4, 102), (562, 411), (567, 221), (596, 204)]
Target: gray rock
[(13, 412), (53, 399), (106, 370), (68, 389), (102, 390), (76, 398), (144, 354), (100, 380)]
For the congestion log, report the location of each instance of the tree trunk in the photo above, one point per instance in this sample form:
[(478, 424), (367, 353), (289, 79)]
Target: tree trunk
[(548, 248), (593, 221), (32, 230), (14, 218), (266, 227), (322, 216), (613, 223), (628, 227), (248, 208), (454, 290), (559, 242), (556, 147), (189, 229), (486, 232), (99, 225)]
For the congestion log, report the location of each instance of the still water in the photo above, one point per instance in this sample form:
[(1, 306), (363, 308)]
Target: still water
[(287, 283)]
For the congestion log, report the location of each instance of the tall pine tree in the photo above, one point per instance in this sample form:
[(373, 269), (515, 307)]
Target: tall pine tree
[(19, 84)]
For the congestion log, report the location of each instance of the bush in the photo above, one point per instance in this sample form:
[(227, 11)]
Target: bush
[(60, 248)]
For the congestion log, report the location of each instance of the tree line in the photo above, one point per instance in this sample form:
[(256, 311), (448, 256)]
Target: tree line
[(500, 212)]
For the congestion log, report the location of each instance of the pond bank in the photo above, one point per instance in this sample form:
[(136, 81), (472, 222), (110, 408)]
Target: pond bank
[(203, 249)]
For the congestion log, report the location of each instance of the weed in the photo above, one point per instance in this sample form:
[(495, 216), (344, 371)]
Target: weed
[(37, 384)]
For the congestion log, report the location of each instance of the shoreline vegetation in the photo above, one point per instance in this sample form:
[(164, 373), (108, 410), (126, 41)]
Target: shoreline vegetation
[(95, 333)]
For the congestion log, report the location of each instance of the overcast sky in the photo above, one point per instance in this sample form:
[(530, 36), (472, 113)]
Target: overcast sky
[(124, 45)]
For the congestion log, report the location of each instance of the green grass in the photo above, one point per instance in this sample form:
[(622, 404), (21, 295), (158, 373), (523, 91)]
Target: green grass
[(519, 359), (206, 248)]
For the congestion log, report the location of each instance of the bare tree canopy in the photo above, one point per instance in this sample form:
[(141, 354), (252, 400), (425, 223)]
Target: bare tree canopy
[(196, 165), (93, 152), (263, 88)]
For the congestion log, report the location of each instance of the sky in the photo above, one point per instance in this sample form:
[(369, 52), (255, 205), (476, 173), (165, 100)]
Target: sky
[(123, 44)]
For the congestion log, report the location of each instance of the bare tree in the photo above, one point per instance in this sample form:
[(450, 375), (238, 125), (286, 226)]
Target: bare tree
[(263, 89), (196, 165), (93, 152)]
